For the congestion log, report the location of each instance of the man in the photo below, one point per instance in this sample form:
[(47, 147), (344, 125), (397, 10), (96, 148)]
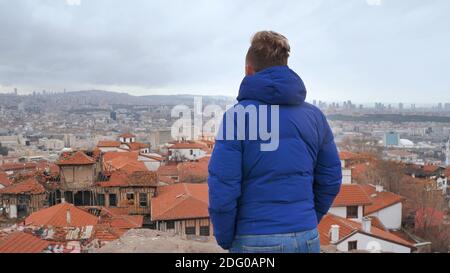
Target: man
[(272, 201)]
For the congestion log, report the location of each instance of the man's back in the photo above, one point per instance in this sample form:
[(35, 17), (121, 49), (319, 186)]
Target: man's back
[(281, 191)]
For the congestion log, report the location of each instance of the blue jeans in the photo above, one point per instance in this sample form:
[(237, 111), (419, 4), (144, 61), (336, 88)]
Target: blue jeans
[(300, 242)]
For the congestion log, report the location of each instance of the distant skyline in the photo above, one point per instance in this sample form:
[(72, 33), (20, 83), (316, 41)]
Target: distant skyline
[(360, 50)]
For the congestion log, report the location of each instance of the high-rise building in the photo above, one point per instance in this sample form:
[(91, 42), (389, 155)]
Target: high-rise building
[(391, 139)]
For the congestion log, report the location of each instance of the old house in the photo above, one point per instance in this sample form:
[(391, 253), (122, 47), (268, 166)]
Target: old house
[(78, 174), (132, 191), (186, 151), (183, 210), (22, 198), (366, 235), (386, 206), (350, 202), (126, 142)]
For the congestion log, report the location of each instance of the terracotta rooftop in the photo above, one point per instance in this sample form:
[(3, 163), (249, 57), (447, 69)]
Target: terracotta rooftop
[(168, 170), (108, 144), (78, 158), (348, 227), (380, 200), (193, 172), (187, 145), (108, 156), (4, 180), (135, 179), (136, 146), (352, 195), (56, 216), (346, 155), (29, 186), (180, 201), (18, 166), (127, 135), (20, 242)]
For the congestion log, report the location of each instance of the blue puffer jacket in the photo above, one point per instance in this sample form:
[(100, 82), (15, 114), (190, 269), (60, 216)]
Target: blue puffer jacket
[(252, 192)]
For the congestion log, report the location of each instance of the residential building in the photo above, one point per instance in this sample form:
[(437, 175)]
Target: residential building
[(183, 210)]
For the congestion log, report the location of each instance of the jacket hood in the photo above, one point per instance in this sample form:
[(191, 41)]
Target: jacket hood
[(277, 85)]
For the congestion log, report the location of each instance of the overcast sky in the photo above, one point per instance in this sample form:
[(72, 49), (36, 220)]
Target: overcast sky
[(363, 50)]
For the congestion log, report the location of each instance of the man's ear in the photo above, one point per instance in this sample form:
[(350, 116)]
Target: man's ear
[(249, 71)]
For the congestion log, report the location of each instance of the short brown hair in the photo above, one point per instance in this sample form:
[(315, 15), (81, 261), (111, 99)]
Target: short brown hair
[(268, 49)]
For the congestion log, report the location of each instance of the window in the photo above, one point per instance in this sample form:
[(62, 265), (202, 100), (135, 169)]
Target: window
[(112, 200), (170, 225), (143, 200), (352, 212), (353, 245), (100, 199), (192, 152), (130, 198), (204, 231), (190, 230)]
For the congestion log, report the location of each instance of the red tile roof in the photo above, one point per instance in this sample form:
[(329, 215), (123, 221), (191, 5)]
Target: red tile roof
[(29, 186), (127, 162), (4, 180), (352, 195), (193, 172), (56, 216), (135, 179), (346, 155), (430, 168), (79, 158), (18, 166), (127, 135), (168, 170), (20, 242), (108, 144), (136, 146), (180, 201), (186, 145), (380, 200), (108, 156), (348, 227)]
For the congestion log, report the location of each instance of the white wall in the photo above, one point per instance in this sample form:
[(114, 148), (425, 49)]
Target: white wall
[(364, 240), (346, 176), (342, 212), (110, 149), (186, 153), (151, 164), (391, 217)]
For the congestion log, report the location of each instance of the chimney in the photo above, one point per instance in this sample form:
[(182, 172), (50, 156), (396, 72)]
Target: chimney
[(367, 224), (379, 188), (68, 217), (334, 231)]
